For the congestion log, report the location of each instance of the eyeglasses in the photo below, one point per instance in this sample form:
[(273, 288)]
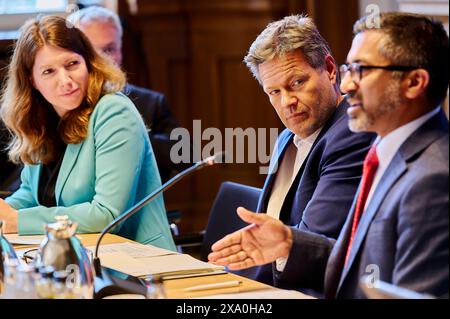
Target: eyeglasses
[(356, 69)]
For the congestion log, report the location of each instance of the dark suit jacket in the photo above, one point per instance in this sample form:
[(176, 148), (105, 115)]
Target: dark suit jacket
[(403, 235), (322, 193), (9, 173), (159, 120)]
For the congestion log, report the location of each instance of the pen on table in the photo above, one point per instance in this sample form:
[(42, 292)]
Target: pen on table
[(225, 284)]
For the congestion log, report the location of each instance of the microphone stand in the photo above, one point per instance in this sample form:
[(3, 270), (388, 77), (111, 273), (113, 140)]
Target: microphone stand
[(104, 284)]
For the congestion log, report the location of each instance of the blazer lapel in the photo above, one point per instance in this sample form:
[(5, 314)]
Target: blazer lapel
[(69, 160), (294, 197), (35, 182), (336, 260), (390, 176), (279, 150)]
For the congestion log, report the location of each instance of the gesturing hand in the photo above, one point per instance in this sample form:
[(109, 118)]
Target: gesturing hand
[(262, 242)]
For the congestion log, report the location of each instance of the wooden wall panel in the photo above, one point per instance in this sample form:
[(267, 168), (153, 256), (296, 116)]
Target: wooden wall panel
[(334, 19), (219, 39)]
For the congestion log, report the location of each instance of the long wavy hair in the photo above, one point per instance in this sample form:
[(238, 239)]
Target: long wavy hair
[(27, 114)]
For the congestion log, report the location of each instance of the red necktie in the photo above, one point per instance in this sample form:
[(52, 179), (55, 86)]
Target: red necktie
[(369, 169)]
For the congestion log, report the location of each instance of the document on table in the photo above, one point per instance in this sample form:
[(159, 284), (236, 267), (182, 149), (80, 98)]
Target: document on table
[(174, 265), (179, 264), (134, 250), (15, 239)]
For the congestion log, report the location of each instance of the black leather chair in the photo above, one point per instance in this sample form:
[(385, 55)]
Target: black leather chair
[(223, 218)]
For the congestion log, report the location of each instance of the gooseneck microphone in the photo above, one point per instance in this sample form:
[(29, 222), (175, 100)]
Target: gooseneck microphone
[(103, 281)]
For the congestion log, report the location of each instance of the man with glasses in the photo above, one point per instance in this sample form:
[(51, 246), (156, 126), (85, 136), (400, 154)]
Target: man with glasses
[(397, 228)]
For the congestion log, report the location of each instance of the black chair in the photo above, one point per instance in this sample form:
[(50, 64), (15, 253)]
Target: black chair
[(9, 179), (223, 218)]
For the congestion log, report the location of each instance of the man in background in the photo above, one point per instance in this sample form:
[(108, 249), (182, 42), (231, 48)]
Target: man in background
[(9, 172)]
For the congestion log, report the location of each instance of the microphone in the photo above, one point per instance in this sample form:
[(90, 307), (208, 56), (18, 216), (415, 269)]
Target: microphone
[(104, 284)]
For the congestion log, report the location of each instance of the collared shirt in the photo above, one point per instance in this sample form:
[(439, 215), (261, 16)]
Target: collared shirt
[(389, 145), (293, 159)]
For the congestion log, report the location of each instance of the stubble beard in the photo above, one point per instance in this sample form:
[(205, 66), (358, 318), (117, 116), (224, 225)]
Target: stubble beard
[(389, 102)]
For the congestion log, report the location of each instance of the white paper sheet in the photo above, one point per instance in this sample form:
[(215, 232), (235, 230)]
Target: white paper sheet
[(134, 250), (177, 264), (15, 239), (167, 265), (122, 262)]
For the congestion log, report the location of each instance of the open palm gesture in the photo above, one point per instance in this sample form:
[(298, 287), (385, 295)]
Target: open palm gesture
[(261, 242)]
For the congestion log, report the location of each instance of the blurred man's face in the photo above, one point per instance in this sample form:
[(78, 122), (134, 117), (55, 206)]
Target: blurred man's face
[(303, 97), (105, 38)]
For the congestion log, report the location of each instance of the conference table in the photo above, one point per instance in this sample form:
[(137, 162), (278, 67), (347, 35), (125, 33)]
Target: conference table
[(176, 288)]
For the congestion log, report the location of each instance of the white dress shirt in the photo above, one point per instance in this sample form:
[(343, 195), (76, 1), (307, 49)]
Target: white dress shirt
[(293, 159)]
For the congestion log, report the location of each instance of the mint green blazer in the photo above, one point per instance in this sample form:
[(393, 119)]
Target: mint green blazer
[(101, 178)]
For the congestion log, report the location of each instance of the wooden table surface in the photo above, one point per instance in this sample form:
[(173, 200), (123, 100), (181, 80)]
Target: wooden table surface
[(175, 287)]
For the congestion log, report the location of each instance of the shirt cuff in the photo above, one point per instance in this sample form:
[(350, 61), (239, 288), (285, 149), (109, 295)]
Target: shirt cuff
[(281, 263)]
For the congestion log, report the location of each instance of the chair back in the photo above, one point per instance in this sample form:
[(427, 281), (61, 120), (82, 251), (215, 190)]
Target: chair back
[(223, 218)]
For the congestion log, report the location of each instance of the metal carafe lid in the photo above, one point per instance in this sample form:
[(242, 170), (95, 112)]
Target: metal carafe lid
[(63, 228)]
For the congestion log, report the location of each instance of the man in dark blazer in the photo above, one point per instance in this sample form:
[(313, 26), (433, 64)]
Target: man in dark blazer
[(104, 30), (160, 122), (317, 162), (395, 80), (321, 195)]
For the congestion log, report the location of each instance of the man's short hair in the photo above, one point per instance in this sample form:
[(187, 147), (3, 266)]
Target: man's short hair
[(414, 40), (296, 32), (95, 14)]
